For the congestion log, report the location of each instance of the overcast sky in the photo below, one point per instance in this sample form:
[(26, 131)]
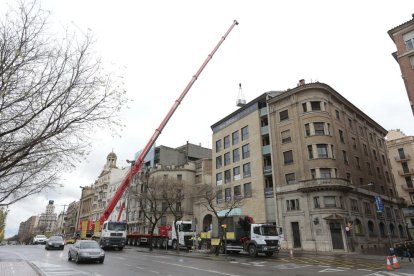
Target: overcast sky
[(157, 46)]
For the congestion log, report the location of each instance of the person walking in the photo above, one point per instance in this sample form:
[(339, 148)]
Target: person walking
[(406, 251)]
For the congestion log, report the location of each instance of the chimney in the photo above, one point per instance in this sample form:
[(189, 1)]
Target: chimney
[(301, 82)]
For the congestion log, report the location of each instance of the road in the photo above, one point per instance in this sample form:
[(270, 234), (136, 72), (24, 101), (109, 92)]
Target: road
[(138, 261)]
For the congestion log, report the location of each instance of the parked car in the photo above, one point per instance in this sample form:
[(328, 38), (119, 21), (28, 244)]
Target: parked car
[(39, 239), (55, 242), (70, 240), (86, 250)]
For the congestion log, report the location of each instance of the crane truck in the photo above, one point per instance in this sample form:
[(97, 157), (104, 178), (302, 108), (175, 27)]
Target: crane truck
[(241, 234), (107, 236)]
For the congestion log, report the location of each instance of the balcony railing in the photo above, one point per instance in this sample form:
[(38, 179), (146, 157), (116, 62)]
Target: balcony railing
[(325, 184), (406, 172), (267, 169), (268, 192), (266, 150), (264, 130), (402, 158)]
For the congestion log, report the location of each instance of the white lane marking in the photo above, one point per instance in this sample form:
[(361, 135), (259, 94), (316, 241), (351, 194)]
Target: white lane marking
[(332, 270), (199, 269), (153, 271)]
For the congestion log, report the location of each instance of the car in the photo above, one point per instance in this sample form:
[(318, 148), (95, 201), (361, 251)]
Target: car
[(86, 250), (39, 239), (70, 240), (55, 242)]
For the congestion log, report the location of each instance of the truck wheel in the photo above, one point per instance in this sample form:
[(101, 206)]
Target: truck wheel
[(252, 251), (269, 254), (77, 260), (174, 244)]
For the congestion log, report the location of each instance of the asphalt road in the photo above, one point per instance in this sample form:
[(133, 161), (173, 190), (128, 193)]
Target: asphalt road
[(138, 261)]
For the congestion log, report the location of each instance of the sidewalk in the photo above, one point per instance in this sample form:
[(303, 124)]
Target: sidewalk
[(17, 268)]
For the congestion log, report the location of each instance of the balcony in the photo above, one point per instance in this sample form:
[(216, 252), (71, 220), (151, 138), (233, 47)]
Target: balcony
[(266, 150), (267, 170), (408, 188), (263, 111), (406, 172), (331, 184), (268, 192), (403, 158), (264, 130)]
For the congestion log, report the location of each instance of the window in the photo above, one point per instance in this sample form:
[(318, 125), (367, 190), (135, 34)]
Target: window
[(369, 168), (315, 106), (358, 165), (286, 136), (345, 157), (226, 141), (307, 130), (409, 41), (341, 136), (371, 137), (313, 173), (290, 178), (235, 137), (304, 107), (218, 162), (227, 176), (354, 145), (227, 158), (245, 133), (329, 201), (401, 153), (354, 205), (246, 170), (236, 173), (322, 150), (350, 122), (325, 173), (374, 152), (337, 115), (237, 192), (405, 167), (383, 159), (247, 189), (219, 180), (371, 229), (409, 182), (379, 173), (283, 115), (412, 62), (357, 227), (218, 145), (310, 151), (219, 197), (288, 157), (292, 205), (365, 149), (319, 128), (246, 151), (367, 209), (179, 178), (227, 194), (236, 155), (316, 202)]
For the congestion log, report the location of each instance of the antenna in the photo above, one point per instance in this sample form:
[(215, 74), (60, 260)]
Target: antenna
[(241, 101)]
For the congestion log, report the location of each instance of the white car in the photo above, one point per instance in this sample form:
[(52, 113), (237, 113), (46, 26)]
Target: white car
[(39, 239)]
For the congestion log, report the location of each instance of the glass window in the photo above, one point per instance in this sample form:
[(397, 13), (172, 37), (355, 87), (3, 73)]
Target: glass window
[(284, 115), (307, 130), (319, 128), (226, 141), (316, 106), (227, 176), (310, 151), (235, 137), (337, 114), (247, 189), (325, 173), (304, 107), (246, 151), (354, 205), (322, 150), (227, 194), (288, 157), (345, 157), (218, 145), (286, 136), (316, 202), (237, 192), (367, 209), (341, 136), (409, 41), (236, 173), (292, 205), (219, 197), (246, 170), (218, 162), (236, 155), (227, 159), (219, 180), (245, 133), (290, 178)]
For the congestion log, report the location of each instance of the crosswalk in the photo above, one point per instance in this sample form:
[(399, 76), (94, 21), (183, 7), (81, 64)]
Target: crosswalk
[(48, 269)]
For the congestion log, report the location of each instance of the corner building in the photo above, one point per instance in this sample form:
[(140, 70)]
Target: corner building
[(317, 165)]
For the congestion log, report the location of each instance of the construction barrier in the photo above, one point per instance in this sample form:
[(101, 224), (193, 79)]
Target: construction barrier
[(389, 265), (395, 262)]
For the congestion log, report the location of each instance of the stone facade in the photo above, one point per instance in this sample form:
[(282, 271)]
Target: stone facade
[(403, 37), (317, 164), (401, 153)]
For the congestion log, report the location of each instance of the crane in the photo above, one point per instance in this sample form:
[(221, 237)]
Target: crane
[(136, 167)]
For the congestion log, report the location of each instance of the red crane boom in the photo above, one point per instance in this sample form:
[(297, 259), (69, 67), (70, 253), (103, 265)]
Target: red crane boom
[(140, 159)]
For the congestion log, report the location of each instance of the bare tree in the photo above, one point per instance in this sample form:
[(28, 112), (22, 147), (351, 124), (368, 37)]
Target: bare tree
[(3, 216), (54, 94), (212, 199), (174, 198)]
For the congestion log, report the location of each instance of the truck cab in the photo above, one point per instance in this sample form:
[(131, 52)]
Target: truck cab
[(185, 235), (113, 234), (264, 238)]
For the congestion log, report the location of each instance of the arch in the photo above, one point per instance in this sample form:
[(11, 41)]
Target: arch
[(392, 229), (382, 230), (371, 228), (358, 227), (207, 220)]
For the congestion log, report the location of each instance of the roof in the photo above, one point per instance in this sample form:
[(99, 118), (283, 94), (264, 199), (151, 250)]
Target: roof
[(400, 27)]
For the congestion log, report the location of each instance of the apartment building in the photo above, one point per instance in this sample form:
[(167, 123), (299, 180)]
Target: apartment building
[(47, 220), (185, 164), (27, 230), (403, 37), (401, 153), (310, 161)]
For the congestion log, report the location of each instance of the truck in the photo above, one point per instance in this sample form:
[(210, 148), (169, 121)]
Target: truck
[(112, 234), (242, 234), (166, 236)]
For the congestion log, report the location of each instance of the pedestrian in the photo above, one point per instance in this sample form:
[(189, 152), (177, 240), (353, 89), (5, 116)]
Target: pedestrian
[(406, 251)]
